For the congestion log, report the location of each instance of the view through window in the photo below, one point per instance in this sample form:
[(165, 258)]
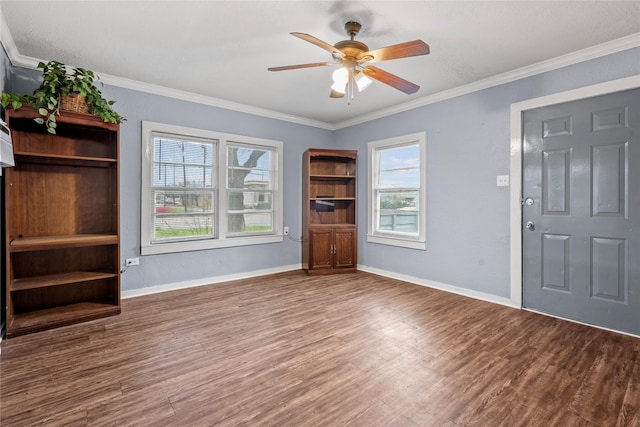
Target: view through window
[(397, 191), (183, 188), (203, 189)]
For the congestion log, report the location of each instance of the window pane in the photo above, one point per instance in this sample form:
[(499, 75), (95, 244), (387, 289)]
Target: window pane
[(398, 212), (242, 156), (180, 214), (183, 226), (250, 195), (406, 178), (252, 200), (254, 179), (250, 222), (249, 168), (180, 201), (180, 151), (179, 163), (169, 175), (399, 167)]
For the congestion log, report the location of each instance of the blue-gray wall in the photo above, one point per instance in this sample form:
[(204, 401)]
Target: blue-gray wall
[(170, 268), (467, 147)]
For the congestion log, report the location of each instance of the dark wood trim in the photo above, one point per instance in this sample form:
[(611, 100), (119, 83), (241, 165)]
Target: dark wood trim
[(68, 117)]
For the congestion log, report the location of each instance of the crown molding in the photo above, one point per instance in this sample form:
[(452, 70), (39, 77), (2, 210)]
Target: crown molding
[(618, 45), (614, 46), (210, 101)]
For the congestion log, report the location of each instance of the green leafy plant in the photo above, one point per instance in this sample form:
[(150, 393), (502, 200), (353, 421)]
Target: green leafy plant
[(56, 83)]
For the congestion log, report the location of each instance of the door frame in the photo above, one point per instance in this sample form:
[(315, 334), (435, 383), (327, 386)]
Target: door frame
[(515, 197)]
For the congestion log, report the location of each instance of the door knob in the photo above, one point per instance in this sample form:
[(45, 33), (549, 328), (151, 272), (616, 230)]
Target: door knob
[(530, 226)]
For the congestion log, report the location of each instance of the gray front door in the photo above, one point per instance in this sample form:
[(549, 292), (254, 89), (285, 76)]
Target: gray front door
[(581, 210)]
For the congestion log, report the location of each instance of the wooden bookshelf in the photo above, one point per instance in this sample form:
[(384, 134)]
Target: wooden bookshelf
[(62, 243), (329, 213)]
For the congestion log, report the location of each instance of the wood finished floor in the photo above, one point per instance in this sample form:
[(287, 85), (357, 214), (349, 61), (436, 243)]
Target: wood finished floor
[(344, 350)]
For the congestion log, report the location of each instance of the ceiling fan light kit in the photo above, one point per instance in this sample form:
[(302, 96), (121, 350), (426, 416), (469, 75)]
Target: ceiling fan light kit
[(340, 79), (362, 82), (346, 79), (354, 58)]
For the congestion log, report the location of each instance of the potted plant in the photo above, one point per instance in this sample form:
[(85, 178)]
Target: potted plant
[(60, 89)]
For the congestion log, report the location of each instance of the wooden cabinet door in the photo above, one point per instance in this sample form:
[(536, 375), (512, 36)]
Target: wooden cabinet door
[(321, 249), (345, 247)]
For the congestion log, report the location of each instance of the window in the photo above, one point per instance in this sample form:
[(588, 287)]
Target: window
[(397, 191), (182, 189), (249, 189), (203, 189)]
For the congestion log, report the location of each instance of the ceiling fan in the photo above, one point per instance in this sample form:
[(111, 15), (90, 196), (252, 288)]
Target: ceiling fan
[(354, 58)]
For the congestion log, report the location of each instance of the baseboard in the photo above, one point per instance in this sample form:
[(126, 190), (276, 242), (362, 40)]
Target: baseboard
[(581, 323), (441, 286), (249, 274), (206, 281)]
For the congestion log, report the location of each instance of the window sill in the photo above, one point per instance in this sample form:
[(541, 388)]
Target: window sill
[(198, 245), (395, 241)]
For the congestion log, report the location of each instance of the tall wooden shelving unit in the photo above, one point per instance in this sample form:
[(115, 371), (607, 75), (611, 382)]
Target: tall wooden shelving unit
[(329, 234), (62, 242)]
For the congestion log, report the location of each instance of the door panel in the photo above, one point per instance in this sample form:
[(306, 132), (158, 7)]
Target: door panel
[(556, 253), (556, 166), (609, 168), (345, 248), (608, 266), (581, 167)]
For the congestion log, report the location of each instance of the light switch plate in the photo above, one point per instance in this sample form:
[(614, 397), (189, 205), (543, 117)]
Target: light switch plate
[(502, 181)]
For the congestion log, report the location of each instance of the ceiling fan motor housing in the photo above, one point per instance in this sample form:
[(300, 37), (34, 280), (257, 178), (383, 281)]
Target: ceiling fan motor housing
[(352, 49)]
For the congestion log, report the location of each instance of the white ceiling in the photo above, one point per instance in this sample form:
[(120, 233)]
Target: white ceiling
[(221, 49)]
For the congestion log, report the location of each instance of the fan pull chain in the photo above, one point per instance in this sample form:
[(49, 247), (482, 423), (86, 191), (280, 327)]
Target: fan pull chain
[(350, 85)]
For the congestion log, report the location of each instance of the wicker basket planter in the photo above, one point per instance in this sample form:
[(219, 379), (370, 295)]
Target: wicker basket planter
[(74, 102)]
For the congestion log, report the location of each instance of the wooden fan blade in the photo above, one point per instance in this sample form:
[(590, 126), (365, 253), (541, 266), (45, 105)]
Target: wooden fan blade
[(295, 67), (336, 94), (402, 50), (390, 79), (326, 46)]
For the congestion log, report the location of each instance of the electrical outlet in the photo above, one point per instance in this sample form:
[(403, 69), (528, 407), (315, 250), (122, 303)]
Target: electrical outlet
[(286, 230), (132, 261)]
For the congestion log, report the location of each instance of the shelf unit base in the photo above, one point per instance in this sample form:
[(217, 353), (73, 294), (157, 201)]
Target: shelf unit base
[(319, 272), (35, 321)]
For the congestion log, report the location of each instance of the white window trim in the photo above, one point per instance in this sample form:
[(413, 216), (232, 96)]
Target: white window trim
[(222, 240), (396, 240)]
